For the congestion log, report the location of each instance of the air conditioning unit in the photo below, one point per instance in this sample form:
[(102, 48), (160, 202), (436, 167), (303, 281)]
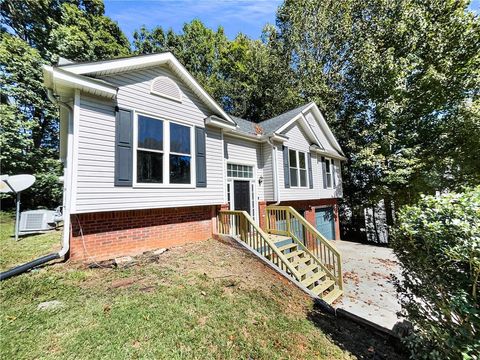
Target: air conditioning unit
[(35, 221)]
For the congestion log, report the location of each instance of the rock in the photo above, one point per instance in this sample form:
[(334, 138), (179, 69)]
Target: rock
[(50, 305), (159, 251), (403, 328), (124, 261)]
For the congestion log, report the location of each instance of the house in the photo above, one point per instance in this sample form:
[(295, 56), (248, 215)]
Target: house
[(150, 158)]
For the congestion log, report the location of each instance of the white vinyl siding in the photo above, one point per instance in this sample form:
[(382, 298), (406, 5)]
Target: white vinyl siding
[(298, 140), (95, 189), (242, 151), (268, 183)]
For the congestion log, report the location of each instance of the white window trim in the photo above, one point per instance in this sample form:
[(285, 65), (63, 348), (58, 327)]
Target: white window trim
[(297, 155), (166, 154), (328, 174), (252, 180)]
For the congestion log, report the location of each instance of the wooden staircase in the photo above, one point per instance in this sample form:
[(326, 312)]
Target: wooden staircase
[(287, 253), (309, 271)]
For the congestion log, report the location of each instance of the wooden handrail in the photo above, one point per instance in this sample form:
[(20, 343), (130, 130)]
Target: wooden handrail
[(240, 225), (321, 249)]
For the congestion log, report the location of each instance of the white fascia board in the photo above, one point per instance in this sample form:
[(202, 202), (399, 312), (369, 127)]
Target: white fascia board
[(329, 154), (219, 124), (117, 64), (196, 86), (279, 137), (326, 128), (242, 135), (146, 61), (55, 78), (300, 117)]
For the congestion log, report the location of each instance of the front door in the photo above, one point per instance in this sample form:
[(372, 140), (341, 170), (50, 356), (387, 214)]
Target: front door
[(241, 195), (325, 222)]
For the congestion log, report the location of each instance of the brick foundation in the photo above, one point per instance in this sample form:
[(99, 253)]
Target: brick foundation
[(111, 234), (309, 207)]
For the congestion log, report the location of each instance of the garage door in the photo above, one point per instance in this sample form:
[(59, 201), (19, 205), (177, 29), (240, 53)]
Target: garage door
[(325, 222)]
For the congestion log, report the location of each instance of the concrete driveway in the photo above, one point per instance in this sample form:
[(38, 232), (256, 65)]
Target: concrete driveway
[(368, 290)]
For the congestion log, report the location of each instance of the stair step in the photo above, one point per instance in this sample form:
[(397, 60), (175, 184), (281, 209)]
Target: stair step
[(313, 278), (287, 247), (307, 269), (292, 254), (319, 289), (332, 295), (300, 261)]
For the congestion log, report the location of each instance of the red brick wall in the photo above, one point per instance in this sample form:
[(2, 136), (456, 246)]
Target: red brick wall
[(111, 234), (309, 207), (262, 205)]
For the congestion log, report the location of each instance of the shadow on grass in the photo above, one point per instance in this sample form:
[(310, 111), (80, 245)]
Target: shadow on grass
[(360, 340)]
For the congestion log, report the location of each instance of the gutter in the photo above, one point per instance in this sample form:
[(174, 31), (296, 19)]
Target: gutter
[(66, 203)]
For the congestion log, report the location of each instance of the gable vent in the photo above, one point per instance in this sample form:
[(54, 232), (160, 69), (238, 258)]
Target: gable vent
[(166, 87)]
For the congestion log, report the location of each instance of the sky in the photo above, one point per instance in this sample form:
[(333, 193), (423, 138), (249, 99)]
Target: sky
[(246, 16)]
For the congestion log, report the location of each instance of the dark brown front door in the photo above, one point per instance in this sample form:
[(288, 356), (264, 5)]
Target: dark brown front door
[(241, 195)]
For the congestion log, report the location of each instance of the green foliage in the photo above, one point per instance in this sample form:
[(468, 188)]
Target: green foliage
[(249, 78), (438, 244), (39, 32), (398, 81)]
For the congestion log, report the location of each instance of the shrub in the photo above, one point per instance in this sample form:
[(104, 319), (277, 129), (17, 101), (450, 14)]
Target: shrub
[(437, 242)]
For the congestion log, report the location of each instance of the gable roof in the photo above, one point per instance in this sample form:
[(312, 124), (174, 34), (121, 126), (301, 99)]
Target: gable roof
[(278, 124), (271, 125), (89, 70)]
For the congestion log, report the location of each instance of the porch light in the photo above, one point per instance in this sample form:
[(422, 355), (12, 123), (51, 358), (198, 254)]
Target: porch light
[(260, 180)]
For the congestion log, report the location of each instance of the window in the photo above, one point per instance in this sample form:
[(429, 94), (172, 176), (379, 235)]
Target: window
[(239, 171), (150, 150), (298, 168), (292, 157), (328, 172), (180, 154), (302, 161), (164, 152)]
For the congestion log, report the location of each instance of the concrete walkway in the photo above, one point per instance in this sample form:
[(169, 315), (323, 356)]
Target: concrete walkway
[(368, 290)]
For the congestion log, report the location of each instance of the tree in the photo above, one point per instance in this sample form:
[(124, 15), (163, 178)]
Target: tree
[(393, 79), (35, 33), (441, 233), (249, 78)]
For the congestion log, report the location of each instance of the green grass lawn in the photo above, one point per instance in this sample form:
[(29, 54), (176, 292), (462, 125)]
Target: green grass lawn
[(28, 247), (208, 300)]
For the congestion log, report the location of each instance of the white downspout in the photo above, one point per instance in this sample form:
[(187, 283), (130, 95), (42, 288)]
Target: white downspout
[(67, 176), (276, 190)]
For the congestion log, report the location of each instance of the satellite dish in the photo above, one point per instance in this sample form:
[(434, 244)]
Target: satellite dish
[(4, 188), (18, 183)]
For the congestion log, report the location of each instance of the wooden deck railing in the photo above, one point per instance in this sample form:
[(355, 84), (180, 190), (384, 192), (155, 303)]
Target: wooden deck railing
[(240, 225), (285, 220)]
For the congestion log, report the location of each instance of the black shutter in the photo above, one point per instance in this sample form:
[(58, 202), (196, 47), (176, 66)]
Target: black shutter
[(200, 157), (310, 173), (324, 172), (286, 167), (123, 148), (334, 173)]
